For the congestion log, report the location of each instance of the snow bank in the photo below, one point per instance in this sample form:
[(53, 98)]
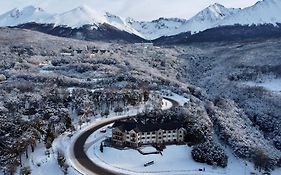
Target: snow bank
[(175, 159), (166, 104), (173, 96), (269, 84)]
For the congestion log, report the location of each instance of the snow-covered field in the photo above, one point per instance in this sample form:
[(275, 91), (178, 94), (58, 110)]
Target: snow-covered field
[(166, 104), (270, 84), (178, 98), (175, 159), (42, 162)]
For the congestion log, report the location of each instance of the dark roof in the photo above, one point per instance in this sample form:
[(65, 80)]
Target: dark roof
[(140, 127), (125, 125)]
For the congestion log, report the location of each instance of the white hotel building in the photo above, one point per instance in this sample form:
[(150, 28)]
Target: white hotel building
[(132, 133)]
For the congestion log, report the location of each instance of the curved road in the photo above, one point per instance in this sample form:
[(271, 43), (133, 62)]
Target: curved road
[(85, 164)]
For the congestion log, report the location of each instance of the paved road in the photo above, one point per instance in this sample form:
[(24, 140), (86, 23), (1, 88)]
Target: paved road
[(89, 167)]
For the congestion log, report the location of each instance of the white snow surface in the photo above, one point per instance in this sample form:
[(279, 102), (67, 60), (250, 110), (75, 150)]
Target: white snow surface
[(41, 164), (175, 159), (173, 96), (263, 12), (79, 16), (269, 84), (166, 104), (74, 18), (24, 15), (207, 18), (148, 149)]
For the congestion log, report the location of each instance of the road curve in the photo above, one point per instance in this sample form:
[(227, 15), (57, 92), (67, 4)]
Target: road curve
[(83, 163)]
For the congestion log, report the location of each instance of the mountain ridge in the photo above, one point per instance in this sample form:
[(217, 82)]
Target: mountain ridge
[(213, 16)]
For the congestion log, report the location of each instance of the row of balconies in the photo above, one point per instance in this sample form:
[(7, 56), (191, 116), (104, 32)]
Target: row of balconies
[(152, 136), (164, 136), (117, 133)]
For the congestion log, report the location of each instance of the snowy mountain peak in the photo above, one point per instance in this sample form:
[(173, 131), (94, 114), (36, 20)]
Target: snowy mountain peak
[(80, 16), (214, 12), (86, 10), (15, 13), (207, 18), (83, 8), (113, 18), (266, 11), (32, 9), (24, 15), (84, 15), (29, 10)]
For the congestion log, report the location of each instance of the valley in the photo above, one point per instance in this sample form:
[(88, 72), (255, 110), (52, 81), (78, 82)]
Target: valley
[(47, 92), (84, 91)]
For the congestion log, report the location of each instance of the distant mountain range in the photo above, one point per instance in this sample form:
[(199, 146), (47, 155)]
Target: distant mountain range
[(85, 23)]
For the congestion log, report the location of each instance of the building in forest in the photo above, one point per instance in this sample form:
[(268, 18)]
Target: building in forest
[(135, 134)]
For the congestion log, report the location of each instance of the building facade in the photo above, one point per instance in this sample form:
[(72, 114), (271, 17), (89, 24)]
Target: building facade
[(132, 133)]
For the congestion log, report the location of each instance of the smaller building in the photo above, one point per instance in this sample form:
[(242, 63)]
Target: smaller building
[(135, 134)]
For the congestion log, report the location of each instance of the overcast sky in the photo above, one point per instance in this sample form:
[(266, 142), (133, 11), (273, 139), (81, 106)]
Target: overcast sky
[(138, 9)]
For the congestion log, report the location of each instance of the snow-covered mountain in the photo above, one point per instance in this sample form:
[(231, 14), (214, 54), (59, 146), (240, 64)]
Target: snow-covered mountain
[(263, 12), (207, 18), (74, 18), (210, 17), (27, 14), (84, 15), (78, 17)]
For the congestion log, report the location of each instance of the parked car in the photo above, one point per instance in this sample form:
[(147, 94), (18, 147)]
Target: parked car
[(148, 163), (103, 130)]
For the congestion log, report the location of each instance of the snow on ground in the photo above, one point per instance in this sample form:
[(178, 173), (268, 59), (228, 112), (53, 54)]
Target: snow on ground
[(49, 165), (166, 104), (148, 149), (270, 84), (175, 159), (179, 98), (42, 163), (45, 67)]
